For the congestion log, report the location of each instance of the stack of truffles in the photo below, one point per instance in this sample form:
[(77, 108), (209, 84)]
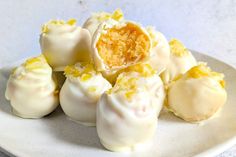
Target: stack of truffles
[(114, 74)]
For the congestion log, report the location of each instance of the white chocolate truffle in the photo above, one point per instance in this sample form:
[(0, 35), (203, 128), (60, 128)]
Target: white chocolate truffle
[(197, 95), (181, 60), (92, 23), (117, 45), (63, 43), (127, 113), (31, 89), (160, 52), (81, 91)]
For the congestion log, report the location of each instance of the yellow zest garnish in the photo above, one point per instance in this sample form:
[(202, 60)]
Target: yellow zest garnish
[(151, 33), (92, 89), (222, 83), (84, 71), (199, 71), (88, 68), (177, 48), (36, 63), (86, 77), (129, 94), (45, 28), (144, 69), (72, 70), (71, 22), (126, 84), (202, 70), (103, 16), (116, 15)]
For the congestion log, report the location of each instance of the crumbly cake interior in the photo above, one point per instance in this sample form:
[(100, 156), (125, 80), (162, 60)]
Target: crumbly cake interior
[(123, 45)]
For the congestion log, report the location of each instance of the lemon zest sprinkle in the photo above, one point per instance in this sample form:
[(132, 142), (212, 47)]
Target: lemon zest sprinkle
[(116, 15), (177, 48), (126, 84), (85, 77), (202, 70), (85, 73), (222, 83), (45, 29), (71, 70), (35, 63), (71, 22), (144, 69)]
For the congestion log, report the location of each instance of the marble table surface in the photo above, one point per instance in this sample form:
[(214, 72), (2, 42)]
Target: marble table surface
[(206, 26)]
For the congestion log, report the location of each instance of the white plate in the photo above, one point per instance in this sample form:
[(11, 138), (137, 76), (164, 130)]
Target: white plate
[(55, 135)]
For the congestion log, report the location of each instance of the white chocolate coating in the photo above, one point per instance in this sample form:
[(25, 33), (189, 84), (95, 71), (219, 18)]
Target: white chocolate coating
[(79, 97), (32, 92), (127, 117), (160, 52), (157, 91), (178, 64), (65, 44), (196, 99), (123, 125)]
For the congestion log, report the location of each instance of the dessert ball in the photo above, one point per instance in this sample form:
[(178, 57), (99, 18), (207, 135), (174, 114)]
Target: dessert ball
[(127, 113), (197, 95), (64, 43), (31, 89), (181, 60), (81, 92)]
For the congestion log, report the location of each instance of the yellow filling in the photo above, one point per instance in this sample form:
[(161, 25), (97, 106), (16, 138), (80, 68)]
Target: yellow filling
[(85, 72), (116, 15), (122, 46), (36, 63), (45, 28), (202, 70), (177, 48)]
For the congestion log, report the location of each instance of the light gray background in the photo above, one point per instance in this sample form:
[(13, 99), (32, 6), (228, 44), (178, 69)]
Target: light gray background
[(207, 26)]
